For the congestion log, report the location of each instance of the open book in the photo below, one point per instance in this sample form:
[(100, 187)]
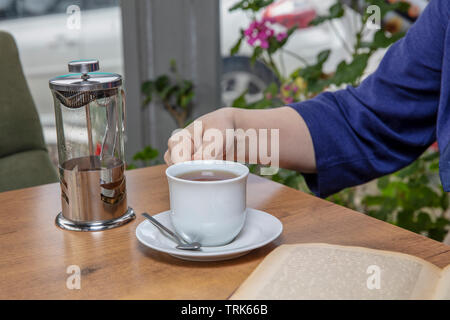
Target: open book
[(323, 271)]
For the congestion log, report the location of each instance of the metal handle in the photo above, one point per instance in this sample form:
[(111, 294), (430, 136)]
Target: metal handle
[(160, 226), (84, 66)]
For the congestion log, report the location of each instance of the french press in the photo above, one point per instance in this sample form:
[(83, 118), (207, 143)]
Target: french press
[(90, 112)]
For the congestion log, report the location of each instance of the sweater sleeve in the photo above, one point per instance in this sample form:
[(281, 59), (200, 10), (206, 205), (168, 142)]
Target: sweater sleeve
[(388, 121)]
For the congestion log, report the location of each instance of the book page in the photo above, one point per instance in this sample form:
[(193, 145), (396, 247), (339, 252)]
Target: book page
[(322, 271), (443, 288)]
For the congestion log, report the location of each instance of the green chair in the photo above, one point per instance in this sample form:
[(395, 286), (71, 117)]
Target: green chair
[(24, 160)]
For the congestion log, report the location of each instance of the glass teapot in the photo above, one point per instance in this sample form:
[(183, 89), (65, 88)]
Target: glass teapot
[(90, 122)]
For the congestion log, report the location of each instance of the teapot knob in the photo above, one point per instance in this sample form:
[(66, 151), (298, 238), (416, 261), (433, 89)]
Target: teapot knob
[(84, 66)]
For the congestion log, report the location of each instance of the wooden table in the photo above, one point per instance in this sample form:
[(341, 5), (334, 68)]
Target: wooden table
[(34, 253)]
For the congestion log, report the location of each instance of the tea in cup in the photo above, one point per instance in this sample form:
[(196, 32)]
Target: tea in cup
[(208, 200)]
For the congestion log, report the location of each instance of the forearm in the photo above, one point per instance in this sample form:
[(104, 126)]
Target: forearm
[(296, 149)]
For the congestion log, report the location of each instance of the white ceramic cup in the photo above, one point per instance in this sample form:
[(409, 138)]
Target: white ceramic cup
[(210, 212)]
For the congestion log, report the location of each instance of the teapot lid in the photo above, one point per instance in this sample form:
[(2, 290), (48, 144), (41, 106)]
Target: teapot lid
[(85, 78)]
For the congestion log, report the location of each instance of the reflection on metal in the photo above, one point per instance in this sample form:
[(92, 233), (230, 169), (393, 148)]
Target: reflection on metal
[(91, 169)]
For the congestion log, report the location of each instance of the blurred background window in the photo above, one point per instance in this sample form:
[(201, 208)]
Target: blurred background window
[(46, 43), (48, 39), (238, 74), (307, 42)]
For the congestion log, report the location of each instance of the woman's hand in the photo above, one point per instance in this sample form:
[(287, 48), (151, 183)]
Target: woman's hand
[(277, 135), (193, 137)]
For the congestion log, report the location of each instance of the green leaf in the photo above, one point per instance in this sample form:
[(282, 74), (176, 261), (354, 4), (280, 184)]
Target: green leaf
[(318, 20), (188, 122), (131, 166), (437, 234), (252, 5), (161, 83), (274, 45), (395, 188), (336, 11), (405, 220), (237, 45), (409, 170), (349, 73), (185, 94), (322, 57), (261, 104), (186, 86), (381, 40), (423, 196), (444, 200), (432, 156), (147, 87), (379, 214), (186, 99), (279, 44), (439, 229), (253, 168), (257, 52), (292, 181), (423, 221), (317, 86), (312, 74), (240, 102), (272, 89), (373, 200), (383, 182), (147, 100), (167, 92), (146, 154)]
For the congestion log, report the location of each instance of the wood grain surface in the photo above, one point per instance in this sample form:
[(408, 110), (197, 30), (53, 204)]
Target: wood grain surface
[(114, 265)]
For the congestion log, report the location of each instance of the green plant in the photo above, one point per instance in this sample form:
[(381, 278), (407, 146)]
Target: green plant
[(174, 92), (310, 79), (147, 156), (410, 198), (176, 95)]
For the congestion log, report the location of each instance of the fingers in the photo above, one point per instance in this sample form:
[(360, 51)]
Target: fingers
[(212, 145), (204, 139), (167, 158), (180, 147)]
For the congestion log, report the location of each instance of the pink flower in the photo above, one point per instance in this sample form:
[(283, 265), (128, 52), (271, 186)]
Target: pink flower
[(251, 41), (254, 25), (262, 36), (281, 36), (288, 100), (259, 31)]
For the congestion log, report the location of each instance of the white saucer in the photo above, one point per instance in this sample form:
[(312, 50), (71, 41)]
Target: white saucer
[(260, 228)]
